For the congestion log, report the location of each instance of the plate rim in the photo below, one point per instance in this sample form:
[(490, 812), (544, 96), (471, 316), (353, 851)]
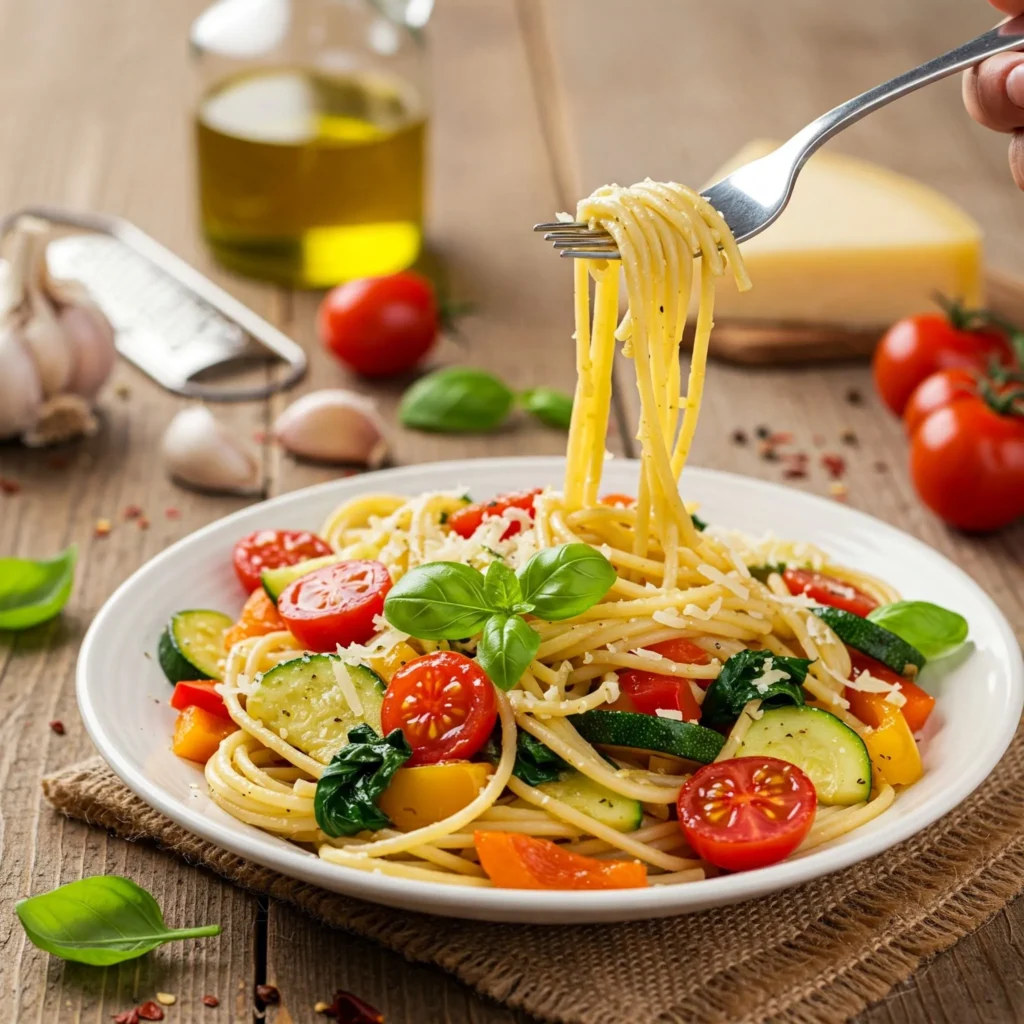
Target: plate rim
[(524, 905)]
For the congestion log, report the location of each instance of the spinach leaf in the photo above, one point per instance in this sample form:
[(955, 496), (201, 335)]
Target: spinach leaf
[(346, 794), (456, 400), (535, 763), (101, 920), (502, 589), (439, 601), (699, 523), (741, 680), (565, 581), (762, 572), (34, 592), (506, 648), (553, 408), (935, 631)]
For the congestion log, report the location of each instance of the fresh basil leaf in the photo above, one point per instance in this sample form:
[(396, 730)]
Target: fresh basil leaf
[(762, 572), (741, 680), (535, 763), (699, 523), (502, 589), (346, 794), (439, 601), (456, 400), (553, 408), (101, 920), (565, 581), (933, 630), (34, 592), (506, 648)]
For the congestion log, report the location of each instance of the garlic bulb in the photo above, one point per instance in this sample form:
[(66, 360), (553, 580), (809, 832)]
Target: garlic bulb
[(56, 346), (202, 453), (333, 426)]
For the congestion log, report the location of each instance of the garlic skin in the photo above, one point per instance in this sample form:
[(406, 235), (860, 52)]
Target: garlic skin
[(56, 346), (201, 452), (334, 426)]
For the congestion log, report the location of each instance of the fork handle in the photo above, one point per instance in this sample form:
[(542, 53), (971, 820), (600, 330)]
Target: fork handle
[(1007, 36)]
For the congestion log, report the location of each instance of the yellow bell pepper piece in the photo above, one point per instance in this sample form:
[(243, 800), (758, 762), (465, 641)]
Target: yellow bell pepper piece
[(388, 664), (891, 745), (432, 792)]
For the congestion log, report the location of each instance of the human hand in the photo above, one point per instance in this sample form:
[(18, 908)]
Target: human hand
[(994, 94)]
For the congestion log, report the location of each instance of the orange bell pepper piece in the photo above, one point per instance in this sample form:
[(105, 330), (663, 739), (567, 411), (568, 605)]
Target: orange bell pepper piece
[(516, 861), (891, 746), (197, 734), (918, 706), (259, 617)]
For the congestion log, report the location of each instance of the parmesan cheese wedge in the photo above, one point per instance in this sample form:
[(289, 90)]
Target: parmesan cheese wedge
[(858, 246)]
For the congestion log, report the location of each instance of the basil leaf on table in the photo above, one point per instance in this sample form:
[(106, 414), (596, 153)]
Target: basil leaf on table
[(506, 648), (502, 589), (439, 601), (741, 680), (101, 920), (565, 581), (346, 794), (34, 592), (935, 631), (553, 408), (456, 400)]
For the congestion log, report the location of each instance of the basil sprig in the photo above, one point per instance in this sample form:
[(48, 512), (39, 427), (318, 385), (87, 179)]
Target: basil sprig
[(933, 630), (346, 794), (101, 920), (452, 601), (34, 592), (739, 680)]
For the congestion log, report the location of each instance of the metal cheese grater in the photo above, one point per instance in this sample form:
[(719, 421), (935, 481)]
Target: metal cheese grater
[(173, 323)]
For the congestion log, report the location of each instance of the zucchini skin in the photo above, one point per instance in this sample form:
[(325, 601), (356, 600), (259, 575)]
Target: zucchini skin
[(871, 639), (650, 732), (175, 662)]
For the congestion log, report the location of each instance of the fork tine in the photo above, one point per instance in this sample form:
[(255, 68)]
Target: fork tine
[(559, 224), (592, 254), (583, 243)]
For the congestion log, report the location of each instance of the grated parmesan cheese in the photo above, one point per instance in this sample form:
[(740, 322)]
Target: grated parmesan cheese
[(865, 682), (347, 687), (769, 676), (676, 716), (667, 617), (727, 580)]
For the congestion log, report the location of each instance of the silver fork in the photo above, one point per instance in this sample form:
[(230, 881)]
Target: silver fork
[(754, 195)]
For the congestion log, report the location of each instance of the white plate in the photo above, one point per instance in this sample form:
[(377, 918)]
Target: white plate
[(123, 695)]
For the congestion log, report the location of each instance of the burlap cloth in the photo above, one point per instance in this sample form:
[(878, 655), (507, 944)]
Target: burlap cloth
[(817, 953)]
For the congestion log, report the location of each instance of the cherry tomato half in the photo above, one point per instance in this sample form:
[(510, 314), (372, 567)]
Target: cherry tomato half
[(444, 704), (270, 549), (747, 812), (336, 604), (465, 521), (918, 706), (828, 590), (379, 326), (617, 500), (915, 347)]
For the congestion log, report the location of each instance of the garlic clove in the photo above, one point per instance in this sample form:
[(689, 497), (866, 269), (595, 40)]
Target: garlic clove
[(21, 393), (201, 452), (334, 426), (91, 339), (61, 418)]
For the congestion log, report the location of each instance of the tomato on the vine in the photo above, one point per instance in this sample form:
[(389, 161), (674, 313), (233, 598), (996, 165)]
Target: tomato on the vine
[(271, 549), (380, 326), (829, 590)]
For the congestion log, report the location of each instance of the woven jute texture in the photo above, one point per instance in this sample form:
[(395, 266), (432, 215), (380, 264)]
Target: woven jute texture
[(817, 953)]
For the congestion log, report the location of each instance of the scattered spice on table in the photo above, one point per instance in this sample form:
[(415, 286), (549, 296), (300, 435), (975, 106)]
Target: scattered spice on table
[(763, 432), (166, 998), (172, 513), (738, 436), (838, 490), (834, 464), (9, 486), (268, 994), (132, 512), (57, 726), (850, 438), (126, 1017), (211, 1001), (350, 1009), (143, 523), (854, 396), (767, 452), (818, 440), (259, 436), (59, 461), (123, 392), (780, 438), (150, 1011), (881, 467), (102, 527)]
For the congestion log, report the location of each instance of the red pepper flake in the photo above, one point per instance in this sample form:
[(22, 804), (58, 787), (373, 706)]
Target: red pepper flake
[(259, 436), (835, 464), (350, 1009), (143, 523), (818, 440), (151, 1011), (781, 438), (127, 1017), (738, 437), (172, 513), (9, 486), (132, 512), (794, 473), (102, 527), (767, 452), (211, 1001), (268, 994), (854, 397), (57, 726)]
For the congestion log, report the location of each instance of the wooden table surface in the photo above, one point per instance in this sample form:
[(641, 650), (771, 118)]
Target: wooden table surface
[(536, 103)]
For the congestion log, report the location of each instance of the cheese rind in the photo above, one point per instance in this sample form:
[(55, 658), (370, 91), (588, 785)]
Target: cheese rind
[(858, 246)]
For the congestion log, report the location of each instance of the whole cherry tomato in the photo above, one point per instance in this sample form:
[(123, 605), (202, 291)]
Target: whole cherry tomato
[(916, 347), (380, 326), (933, 392)]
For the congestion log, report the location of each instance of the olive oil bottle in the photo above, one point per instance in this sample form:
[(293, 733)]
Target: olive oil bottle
[(309, 178)]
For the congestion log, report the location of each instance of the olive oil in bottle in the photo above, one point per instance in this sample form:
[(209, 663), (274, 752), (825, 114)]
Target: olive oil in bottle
[(309, 179)]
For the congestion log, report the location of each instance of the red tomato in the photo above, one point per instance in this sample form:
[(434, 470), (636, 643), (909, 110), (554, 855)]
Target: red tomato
[(914, 348), (516, 861), (647, 693), (380, 326), (200, 694), (919, 704), (828, 590), (464, 521), (967, 457), (270, 549), (444, 704), (336, 604), (747, 812), (617, 500), (942, 388)]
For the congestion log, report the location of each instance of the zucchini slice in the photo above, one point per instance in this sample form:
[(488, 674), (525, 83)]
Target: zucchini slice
[(873, 640), (275, 580), (833, 756), (578, 791), (305, 702), (649, 732), (192, 645)]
